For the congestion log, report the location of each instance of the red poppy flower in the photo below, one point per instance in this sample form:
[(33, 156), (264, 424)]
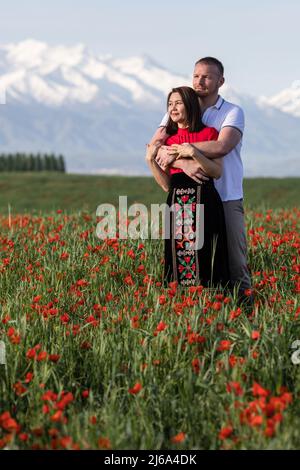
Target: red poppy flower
[(255, 335), (57, 416), (216, 306), (93, 420), (161, 326), (180, 437), (196, 365), (104, 443), (42, 356), (28, 377), (234, 387), (224, 345), (259, 391), (225, 432), (8, 423), (128, 280), (135, 389), (256, 420), (19, 388), (54, 357), (65, 400)]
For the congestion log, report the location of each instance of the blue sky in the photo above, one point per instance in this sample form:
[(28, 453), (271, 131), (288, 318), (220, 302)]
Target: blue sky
[(257, 41)]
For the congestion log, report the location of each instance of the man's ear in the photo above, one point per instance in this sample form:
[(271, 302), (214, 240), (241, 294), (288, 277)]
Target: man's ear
[(221, 81)]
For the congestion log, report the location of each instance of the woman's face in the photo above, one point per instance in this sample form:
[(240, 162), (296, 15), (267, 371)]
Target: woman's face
[(177, 110)]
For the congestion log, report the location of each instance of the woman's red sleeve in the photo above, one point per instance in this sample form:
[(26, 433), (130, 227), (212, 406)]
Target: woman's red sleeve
[(211, 133)]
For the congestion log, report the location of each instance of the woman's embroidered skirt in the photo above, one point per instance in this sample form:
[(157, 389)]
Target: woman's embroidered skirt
[(187, 260)]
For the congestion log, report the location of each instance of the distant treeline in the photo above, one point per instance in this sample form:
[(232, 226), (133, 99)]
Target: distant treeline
[(31, 162)]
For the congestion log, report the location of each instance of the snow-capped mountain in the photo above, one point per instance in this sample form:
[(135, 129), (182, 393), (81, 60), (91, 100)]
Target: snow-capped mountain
[(100, 111), (288, 100), (32, 71)]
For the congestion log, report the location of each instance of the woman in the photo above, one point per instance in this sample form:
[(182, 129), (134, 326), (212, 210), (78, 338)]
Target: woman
[(185, 260)]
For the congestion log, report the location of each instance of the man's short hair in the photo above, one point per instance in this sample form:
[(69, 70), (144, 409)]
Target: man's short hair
[(212, 61)]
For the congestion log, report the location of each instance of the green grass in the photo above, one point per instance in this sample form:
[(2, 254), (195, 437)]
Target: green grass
[(29, 192), (98, 305)]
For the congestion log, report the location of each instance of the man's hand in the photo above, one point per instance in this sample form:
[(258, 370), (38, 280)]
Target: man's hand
[(192, 169), (164, 158), (185, 150), (167, 155)]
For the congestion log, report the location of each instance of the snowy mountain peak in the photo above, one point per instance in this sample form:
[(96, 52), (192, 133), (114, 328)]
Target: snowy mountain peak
[(26, 54), (33, 71), (54, 75), (288, 100), (99, 111), (33, 54)]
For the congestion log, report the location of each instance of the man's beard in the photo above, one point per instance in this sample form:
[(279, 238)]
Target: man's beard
[(204, 93)]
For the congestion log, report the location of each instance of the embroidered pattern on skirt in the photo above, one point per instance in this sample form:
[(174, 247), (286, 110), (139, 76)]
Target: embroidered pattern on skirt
[(184, 230)]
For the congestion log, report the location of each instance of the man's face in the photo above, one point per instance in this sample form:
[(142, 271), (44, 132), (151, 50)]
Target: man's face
[(207, 80)]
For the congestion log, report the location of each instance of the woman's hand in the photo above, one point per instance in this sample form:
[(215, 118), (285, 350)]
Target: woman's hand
[(152, 150), (182, 151), (164, 159)]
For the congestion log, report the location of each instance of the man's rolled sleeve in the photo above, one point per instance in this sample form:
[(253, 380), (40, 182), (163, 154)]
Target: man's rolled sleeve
[(235, 118), (164, 120)]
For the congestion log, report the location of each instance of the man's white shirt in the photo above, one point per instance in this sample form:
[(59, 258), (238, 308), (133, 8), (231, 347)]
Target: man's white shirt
[(225, 114)]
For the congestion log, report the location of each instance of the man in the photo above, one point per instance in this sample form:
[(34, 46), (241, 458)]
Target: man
[(228, 119)]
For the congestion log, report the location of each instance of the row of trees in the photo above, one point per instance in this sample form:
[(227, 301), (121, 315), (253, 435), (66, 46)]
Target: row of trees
[(31, 162)]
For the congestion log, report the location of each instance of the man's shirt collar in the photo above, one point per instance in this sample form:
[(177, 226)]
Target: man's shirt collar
[(219, 102)]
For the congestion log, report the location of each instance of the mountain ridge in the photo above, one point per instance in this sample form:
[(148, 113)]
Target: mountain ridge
[(99, 111)]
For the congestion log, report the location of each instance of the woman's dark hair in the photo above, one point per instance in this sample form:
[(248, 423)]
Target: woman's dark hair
[(192, 107)]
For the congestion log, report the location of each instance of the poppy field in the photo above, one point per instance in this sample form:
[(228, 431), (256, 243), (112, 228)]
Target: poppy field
[(97, 354)]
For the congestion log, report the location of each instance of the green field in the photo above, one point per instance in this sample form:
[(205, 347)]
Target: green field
[(27, 192), (96, 354)]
